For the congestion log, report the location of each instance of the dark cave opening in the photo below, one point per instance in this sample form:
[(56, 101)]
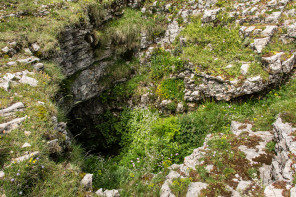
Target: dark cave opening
[(93, 126)]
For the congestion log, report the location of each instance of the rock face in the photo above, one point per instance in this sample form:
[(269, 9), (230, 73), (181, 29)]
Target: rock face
[(222, 89)]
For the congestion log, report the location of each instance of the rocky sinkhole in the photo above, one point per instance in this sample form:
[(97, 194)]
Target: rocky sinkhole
[(148, 98)]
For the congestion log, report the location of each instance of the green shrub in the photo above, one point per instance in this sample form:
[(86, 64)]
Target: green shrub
[(179, 186), (171, 89), (163, 63), (270, 146)]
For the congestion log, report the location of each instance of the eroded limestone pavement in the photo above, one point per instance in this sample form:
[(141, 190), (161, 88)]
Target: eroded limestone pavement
[(275, 177)]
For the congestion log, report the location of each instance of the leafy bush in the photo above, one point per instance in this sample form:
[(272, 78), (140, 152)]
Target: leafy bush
[(163, 63), (179, 186), (171, 89), (270, 146)]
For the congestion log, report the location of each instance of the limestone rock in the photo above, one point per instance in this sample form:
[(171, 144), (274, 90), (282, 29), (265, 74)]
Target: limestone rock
[(35, 47), (195, 188), (108, 193), (271, 191), (292, 31), (9, 126), (28, 80), (2, 174), (210, 15), (38, 67), (165, 190), (269, 31), (5, 81), (86, 182), (25, 157), (29, 60), (173, 175), (259, 44), (13, 108), (245, 68), (25, 145)]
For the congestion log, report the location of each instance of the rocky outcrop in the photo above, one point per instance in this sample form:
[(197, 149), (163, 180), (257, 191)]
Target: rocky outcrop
[(276, 172), (221, 89)]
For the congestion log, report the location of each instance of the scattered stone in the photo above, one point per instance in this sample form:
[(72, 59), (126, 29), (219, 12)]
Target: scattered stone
[(269, 31), (291, 30), (2, 174), (25, 157), (5, 50), (108, 193), (180, 108), (11, 63), (245, 68), (26, 145), (86, 182), (165, 190), (173, 175), (9, 126), (13, 108), (195, 188), (38, 67), (29, 60), (271, 191), (242, 185), (28, 51), (29, 80), (5, 81), (27, 133), (259, 44), (35, 47), (210, 15)]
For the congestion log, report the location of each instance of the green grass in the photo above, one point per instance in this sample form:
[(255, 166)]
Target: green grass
[(212, 48), (44, 30)]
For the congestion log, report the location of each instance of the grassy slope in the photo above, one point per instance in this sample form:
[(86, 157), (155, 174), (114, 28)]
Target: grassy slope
[(42, 176)]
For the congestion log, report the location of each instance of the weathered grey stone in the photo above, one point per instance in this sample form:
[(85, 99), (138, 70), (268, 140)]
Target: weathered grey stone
[(180, 108), (260, 44), (269, 31), (13, 108), (195, 188), (271, 191), (25, 145), (28, 80), (291, 30), (35, 47), (5, 81), (273, 18), (265, 174), (25, 157), (86, 182), (38, 67), (11, 125), (210, 15), (2, 174), (244, 69), (108, 193), (242, 185), (29, 60), (293, 192), (11, 63), (173, 175), (165, 190), (5, 50)]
